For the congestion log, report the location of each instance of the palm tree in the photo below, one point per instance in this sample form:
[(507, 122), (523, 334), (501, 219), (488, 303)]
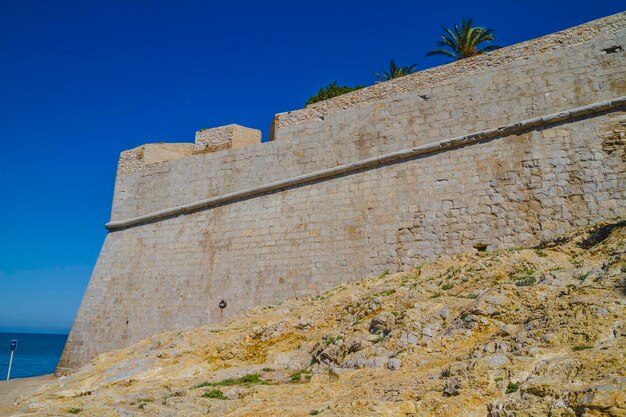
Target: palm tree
[(394, 71), (464, 42)]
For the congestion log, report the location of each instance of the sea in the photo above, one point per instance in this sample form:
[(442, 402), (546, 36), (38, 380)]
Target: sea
[(36, 354)]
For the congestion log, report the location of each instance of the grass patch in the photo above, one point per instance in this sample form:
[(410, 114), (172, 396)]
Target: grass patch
[(581, 347), (583, 277), (267, 370), (385, 273), (472, 296), (329, 340), (512, 387), (74, 410), (214, 393), (452, 271), (384, 293), (299, 374), (574, 261), (525, 282), (249, 379), (314, 413), (142, 402), (447, 286), (436, 295), (524, 273)]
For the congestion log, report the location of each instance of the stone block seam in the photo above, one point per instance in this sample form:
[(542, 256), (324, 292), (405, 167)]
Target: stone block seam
[(373, 162)]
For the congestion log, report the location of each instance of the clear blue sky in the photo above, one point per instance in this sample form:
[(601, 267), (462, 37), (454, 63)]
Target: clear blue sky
[(81, 81)]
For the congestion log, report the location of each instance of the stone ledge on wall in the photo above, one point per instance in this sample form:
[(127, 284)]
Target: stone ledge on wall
[(138, 158), (225, 137), (206, 141)]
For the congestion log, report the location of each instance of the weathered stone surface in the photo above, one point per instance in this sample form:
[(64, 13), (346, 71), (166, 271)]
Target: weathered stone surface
[(225, 137), (135, 160), (583, 374)]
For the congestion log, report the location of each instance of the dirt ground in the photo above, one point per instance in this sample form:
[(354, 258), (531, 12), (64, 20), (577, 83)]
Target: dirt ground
[(10, 390)]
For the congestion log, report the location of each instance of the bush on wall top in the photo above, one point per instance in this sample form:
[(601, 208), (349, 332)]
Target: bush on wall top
[(333, 90)]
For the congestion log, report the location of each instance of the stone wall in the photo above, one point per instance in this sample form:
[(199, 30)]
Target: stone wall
[(136, 159), (225, 137), (505, 190), (421, 83)]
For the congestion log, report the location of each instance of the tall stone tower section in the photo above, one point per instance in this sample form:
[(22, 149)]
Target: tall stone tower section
[(502, 149)]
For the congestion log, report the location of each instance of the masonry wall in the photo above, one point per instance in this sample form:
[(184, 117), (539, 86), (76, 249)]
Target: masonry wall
[(507, 191)]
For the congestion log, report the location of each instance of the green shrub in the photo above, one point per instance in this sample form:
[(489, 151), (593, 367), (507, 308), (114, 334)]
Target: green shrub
[(74, 410), (314, 413), (244, 380), (512, 387), (581, 347), (384, 293), (297, 375), (583, 277), (332, 90), (214, 393), (525, 282), (145, 400), (329, 340)]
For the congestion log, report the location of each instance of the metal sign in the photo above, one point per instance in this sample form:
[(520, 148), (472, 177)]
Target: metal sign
[(12, 348)]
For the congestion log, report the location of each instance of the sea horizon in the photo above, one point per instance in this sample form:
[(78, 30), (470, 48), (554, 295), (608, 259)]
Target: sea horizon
[(36, 354)]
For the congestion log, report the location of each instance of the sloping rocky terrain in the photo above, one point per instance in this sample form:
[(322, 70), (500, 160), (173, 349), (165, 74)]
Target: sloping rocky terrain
[(521, 332)]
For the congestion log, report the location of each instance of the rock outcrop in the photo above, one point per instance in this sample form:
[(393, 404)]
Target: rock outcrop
[(521, 332)]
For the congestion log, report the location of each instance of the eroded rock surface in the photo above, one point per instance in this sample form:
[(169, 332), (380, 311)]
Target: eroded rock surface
[(528, 332)]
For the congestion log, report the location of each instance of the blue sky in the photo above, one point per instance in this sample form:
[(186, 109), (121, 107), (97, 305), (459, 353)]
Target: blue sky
[(81, 81)]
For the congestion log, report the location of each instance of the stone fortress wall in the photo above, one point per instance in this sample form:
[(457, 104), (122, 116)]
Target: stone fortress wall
[(502, 149)]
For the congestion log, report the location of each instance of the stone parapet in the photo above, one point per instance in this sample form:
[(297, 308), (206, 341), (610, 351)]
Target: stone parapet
[(207, 141), (225, 137), (136, 159)]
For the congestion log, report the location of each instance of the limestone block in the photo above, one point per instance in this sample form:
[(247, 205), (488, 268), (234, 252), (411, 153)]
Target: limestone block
[(225, 137), (138, 158)]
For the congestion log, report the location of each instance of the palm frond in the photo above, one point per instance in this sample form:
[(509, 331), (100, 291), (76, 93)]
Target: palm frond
[(441, 52), (464, 40), (395, 71)]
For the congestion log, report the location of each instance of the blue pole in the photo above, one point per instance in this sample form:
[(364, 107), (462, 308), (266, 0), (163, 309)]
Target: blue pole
[(10, 363)]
